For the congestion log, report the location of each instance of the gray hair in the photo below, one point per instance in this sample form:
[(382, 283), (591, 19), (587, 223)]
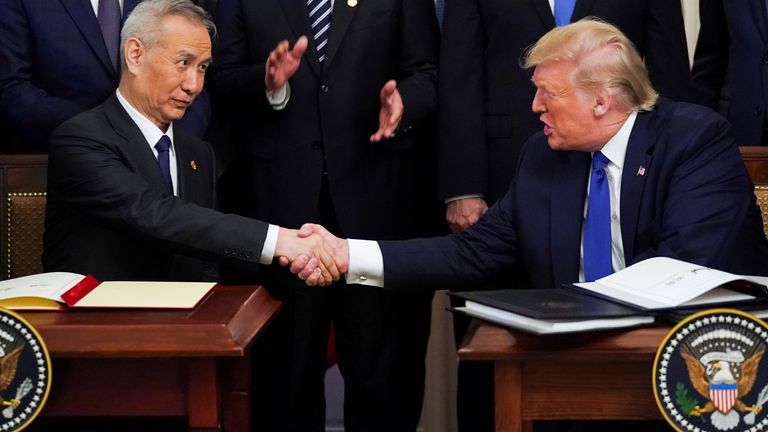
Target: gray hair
[(144, 23)]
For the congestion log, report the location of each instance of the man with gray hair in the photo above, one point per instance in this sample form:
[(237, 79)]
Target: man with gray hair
[(130, 197), (615, 177)]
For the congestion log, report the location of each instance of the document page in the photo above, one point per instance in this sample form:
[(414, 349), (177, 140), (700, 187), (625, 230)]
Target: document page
[(162, 295), (661, 282), (46, 285)]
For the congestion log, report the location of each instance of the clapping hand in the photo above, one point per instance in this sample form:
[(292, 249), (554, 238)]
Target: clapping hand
[(283, 63), (390, 113)]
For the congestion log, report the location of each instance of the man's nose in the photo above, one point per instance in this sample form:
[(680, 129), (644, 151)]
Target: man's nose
[(192, 82), (537, 105)]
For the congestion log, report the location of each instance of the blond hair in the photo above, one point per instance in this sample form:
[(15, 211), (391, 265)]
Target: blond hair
[(605, 59)]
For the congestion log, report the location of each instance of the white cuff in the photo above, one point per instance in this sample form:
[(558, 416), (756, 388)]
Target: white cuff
[(366, 265), (270, 243), (278, 99), (456, 198)]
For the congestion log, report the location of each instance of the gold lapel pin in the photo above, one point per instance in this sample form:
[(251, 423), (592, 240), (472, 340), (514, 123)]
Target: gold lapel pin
[(351, 3), (193, 165)]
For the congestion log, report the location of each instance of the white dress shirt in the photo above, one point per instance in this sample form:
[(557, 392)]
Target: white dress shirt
[(95, 5), (366, 264)]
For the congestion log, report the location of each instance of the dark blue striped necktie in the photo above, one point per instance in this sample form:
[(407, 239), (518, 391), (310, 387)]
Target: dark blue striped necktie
[(320, 20)]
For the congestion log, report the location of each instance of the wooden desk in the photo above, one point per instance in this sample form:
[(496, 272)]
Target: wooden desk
[(158, 363), (602, 375)]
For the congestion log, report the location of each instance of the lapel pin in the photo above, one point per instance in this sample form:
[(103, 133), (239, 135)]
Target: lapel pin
[(193, 165), (351, 3), (641, 171)]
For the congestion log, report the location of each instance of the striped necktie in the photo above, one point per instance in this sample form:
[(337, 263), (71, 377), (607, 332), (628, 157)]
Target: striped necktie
[(110, 21), (320, 19)]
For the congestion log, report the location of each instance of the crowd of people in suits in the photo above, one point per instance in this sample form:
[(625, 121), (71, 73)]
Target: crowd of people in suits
[(377, 124)]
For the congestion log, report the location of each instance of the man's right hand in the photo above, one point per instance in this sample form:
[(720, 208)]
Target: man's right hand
[(462, 213), (337, 247), (283, 63)]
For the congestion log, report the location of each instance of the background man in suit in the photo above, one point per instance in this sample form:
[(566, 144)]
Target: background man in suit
[(485, 116), (121, 206), (615, 177), (59, 58), (731, 64), (335, 136)]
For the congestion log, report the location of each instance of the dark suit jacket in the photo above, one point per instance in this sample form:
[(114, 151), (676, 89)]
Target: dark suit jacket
[(108, 213), (693, 201), (333, 110), (744, 95), (54, 64), (485, 95)]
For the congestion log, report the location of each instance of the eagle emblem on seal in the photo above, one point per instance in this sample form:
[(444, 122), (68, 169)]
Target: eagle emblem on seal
[(708, 372)]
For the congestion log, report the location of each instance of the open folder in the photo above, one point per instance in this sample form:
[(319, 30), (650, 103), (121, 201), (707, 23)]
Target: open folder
[(61, 290), (657, 287)]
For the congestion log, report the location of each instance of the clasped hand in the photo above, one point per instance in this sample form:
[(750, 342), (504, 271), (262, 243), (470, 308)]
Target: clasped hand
[(315, 255)]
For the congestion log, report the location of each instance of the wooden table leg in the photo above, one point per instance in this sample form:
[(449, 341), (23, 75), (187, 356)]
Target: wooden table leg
[(508, 390), (203, 401)]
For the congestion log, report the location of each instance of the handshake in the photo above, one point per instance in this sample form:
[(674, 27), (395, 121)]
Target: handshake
[(314, 254)]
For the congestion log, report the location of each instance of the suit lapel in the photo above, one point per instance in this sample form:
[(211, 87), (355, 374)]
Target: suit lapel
[(340, 19), (545, 13), (636, 163), (135, 146), (298, 19), (759, 13), (82, 14), (569, 188), (582, 9)]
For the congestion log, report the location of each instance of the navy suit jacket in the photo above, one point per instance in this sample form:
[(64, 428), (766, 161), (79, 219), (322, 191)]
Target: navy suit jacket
[(109, 213), (54, 64), (693, 201)]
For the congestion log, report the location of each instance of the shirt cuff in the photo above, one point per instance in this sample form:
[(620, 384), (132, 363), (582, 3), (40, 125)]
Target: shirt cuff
[(366, 265), (278, 99), (270, 243), (456, 198)]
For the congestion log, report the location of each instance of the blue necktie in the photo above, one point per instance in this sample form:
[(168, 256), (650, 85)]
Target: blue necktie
[(320, 20), (163, 160), (597, 227), (110, 22), (563, 11)]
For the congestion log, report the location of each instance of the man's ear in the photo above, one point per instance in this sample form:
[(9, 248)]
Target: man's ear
[(134, 51), (603, 102)]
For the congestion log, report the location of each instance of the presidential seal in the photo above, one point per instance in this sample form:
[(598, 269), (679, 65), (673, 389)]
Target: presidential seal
[(710, 373), (25, 372)]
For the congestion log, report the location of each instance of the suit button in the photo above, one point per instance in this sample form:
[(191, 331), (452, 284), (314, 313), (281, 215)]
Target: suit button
[(757, 112), (324, 88), (317, 145)]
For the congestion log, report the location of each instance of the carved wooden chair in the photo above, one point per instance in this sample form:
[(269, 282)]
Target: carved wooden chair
[(22, 209), (756, 161)]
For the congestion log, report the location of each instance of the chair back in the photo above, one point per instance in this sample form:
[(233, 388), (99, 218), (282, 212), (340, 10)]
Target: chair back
[(756, 161), (22, 213)]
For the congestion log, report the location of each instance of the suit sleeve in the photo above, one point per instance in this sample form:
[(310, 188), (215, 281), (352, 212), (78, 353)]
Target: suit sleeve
[(87, 175), (706, 201), (418, 60), (666, 51), (30, 109), (235, 75), (462, 152), (478, 254)]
